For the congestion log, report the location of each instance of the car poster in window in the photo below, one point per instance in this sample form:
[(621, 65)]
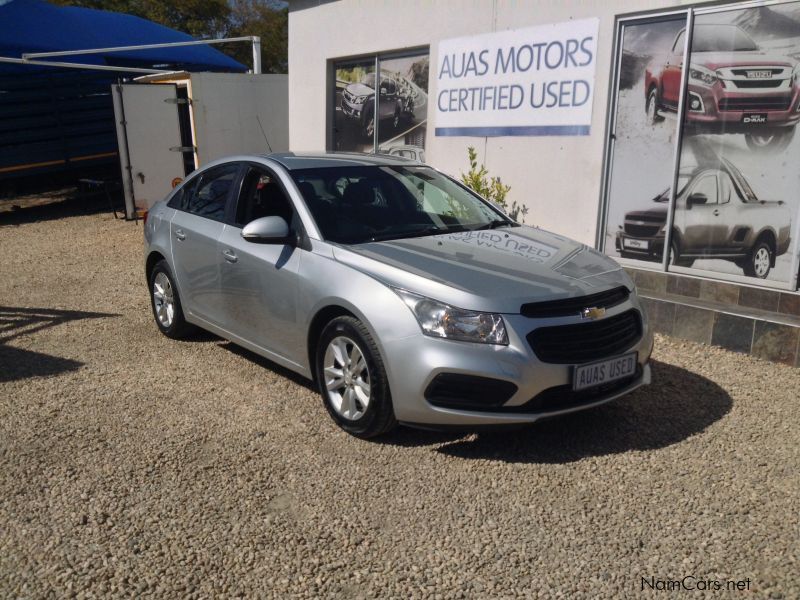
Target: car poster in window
[(737, 202), (403, 106), (354, 106), (737, 211), (644, 147)]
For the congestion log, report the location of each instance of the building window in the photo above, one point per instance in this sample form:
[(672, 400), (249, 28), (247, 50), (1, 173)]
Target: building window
[(391, 121), (701, 172)]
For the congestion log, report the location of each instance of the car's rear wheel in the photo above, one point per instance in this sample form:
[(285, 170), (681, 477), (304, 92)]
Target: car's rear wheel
[(652, 108), (352, 379), (166, 303), (774, 140), (760, 260)]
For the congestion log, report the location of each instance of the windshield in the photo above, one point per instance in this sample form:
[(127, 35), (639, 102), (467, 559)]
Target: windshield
[(354, 205), (683, 180), (369, 80), (721, 38)]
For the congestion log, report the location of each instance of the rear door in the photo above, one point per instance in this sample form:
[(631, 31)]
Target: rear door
[(195, 230), (149, 139)]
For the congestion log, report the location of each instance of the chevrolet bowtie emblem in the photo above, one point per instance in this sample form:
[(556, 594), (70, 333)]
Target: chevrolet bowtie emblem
[(592, 312)]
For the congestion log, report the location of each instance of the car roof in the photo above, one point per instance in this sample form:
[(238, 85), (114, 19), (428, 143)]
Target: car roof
[(293, 161)]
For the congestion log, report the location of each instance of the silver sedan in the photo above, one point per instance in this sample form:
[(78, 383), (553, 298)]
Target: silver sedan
[(402, 294)]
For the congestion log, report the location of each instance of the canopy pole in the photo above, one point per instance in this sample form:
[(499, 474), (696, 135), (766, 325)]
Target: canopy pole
[(256, 55), (69, 65)]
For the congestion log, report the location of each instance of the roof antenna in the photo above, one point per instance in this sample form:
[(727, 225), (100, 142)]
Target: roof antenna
[(263, 133)]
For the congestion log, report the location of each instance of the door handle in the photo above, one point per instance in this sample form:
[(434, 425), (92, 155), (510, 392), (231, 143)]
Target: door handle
[(716, 212), (230, 256), (180, 234)]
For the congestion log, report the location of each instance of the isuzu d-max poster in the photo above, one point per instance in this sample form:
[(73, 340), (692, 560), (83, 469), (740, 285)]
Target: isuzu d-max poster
[(736, 205)]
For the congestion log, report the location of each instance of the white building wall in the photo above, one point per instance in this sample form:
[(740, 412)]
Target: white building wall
[(558, 178)]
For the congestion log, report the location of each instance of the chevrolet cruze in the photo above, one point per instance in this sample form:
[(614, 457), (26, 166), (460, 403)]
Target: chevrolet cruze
[(402, 294)]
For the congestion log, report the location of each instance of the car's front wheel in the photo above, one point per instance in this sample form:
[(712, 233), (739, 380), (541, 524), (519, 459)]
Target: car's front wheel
[(352, 379), (759, 262), (166, 303), (652, 108), (772, 140)]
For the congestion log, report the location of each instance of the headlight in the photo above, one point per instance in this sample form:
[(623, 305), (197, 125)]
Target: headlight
[(796, 74), (703, 75), (360, 99), (437, 319)]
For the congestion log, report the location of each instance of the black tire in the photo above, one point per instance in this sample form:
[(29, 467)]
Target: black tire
[(770, 140), (761, 252), (378, 417), (651, 108), (675, 256), (178, 328)]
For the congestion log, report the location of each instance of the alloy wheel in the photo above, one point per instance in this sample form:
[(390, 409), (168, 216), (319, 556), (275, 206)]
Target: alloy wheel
[(761, 262), (347, 380), (163, 299)]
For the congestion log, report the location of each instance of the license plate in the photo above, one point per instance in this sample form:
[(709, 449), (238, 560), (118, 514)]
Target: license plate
[(754, 119), (641, 244), (604, 371), (759, 74)]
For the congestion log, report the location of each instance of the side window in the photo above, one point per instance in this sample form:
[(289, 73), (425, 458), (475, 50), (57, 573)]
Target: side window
[(178, 200), (677, 48), (211, 193), (726, 188), (705, 187), (262, 196)]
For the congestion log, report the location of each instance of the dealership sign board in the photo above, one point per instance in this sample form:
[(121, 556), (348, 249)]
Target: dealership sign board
[(532, 81)]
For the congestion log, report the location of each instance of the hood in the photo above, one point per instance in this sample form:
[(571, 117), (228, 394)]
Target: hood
[(759, 58), (652, 214), (359, 89), (491, 270)]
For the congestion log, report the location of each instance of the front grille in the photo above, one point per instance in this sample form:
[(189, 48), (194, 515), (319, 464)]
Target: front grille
[(563, 397), (347, 96), (756, 104), (454, 390), (758, 83), (585, 342), (570, 307), (642, 230)]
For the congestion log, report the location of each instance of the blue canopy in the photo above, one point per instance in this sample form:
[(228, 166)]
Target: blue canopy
[(37, 26)]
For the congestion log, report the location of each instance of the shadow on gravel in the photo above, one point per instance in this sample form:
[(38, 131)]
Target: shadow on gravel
[(18, 363), (677, 405), (59, 204), (268, 364)]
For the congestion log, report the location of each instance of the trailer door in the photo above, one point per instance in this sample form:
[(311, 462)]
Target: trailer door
[(149, 138)]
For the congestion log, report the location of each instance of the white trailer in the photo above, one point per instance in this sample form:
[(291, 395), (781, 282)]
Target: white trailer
[(169, 124)]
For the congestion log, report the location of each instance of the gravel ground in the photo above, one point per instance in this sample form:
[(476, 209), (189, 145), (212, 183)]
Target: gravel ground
[(131, 464)]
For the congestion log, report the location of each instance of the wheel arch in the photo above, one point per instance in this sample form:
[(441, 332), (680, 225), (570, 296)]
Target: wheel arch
[(769, 236), (152, 260), (321, 318)]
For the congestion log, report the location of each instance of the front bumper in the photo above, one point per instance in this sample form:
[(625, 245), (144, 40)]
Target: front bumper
[(646, 248), (726, 111), (414, 362)]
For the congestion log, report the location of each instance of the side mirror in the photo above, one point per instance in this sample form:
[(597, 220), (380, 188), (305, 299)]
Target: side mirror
[(696, 199), (268, 230)]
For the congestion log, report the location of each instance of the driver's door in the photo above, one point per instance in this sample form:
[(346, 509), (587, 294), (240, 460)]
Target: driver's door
[(259, 281), (701, 216)]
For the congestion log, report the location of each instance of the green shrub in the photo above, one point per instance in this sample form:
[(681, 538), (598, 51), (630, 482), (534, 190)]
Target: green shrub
[(491, 188)]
